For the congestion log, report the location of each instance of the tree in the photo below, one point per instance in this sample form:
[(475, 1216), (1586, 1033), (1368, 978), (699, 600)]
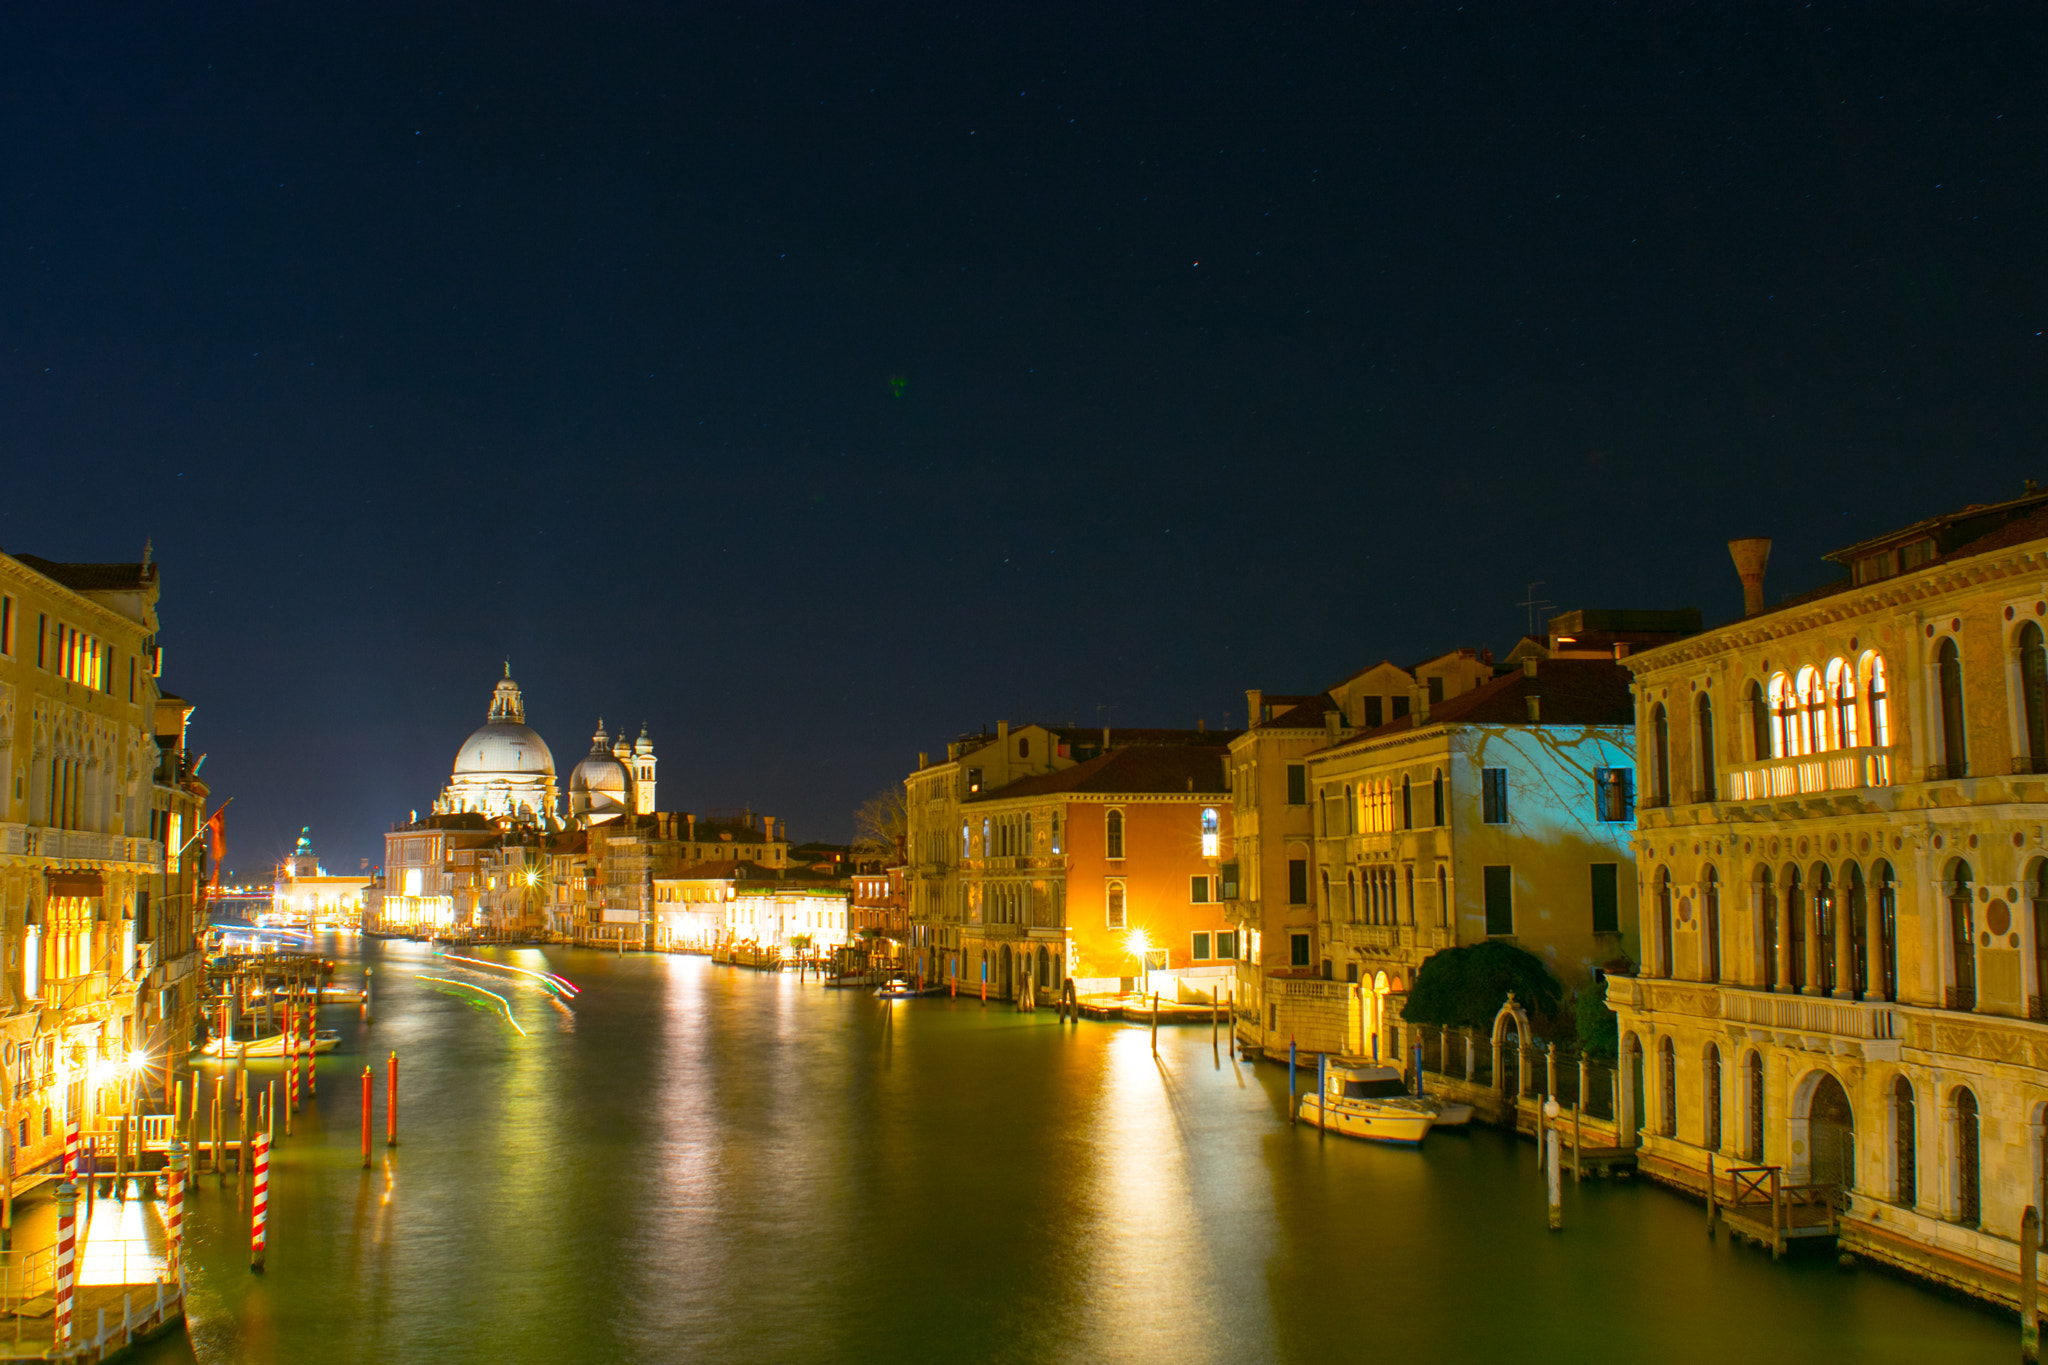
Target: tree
[(1599, 1029), (880, 822), (1465, 987)]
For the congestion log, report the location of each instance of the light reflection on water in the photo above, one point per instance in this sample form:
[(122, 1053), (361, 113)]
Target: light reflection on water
[(704, 1163)]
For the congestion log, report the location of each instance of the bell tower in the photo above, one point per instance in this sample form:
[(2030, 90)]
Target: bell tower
[(642, 769)]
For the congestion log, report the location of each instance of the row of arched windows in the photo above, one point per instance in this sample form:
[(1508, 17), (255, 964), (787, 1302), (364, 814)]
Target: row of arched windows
[(1383, 806), (1812, 931)]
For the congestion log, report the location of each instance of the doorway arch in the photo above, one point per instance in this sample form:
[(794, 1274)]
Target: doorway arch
[(1829, 1134)]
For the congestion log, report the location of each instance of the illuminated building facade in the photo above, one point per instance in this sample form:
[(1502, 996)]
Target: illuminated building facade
[(100, 857), (617, 778), (1844, 883), (504, 770), (306, 896), (711, 904)]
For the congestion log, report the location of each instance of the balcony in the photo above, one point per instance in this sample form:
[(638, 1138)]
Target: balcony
[(1809, 775), (78, 845), (1817, 1023)]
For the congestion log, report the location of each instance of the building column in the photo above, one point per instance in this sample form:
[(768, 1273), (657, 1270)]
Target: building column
[(1873, 948), (1782, 972), (1809, 927), (1845, 949)]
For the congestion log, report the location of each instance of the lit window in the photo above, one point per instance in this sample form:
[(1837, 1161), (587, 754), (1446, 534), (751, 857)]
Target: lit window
[(1874, 695), (1211, 839), (1784, 718), (1842, 727), (1113, 834)]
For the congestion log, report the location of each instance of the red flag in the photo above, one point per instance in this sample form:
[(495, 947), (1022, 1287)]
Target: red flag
[(216, 845)]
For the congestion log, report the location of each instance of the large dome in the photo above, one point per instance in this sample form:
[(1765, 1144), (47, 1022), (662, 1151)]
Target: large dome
[(504, 746)]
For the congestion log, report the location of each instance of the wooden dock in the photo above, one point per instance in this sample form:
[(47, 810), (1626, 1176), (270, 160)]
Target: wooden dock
[(1761, 1205)]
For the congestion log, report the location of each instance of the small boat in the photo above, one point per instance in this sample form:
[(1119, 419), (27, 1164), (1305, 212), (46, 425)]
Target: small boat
[(1370, 1102), (330, 994), (898, 988), (270, 1045), (1387, 1080)]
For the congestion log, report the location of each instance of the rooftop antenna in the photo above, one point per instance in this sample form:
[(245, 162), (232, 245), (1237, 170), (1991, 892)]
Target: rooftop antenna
[(147, 546), (1532, 602)]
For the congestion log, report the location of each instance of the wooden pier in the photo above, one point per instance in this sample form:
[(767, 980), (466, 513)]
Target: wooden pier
[(1761, 1205)]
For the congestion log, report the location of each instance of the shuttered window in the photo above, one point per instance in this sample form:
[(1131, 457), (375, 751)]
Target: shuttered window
[(1500, 900), (1493, 795)]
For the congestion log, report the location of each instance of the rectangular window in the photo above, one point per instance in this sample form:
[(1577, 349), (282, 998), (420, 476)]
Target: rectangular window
[(1226, 944), (1201, 948), (1400, 707), (1116, 905), (1228, 876), (1297, 784), (1055, 831), (1493, 795), (1297, 881), (1500, 900), (42, 640), (1436, 690), (1614, 795), (1375, 712), (1606, 898), (1198, 890), (131, 680), (1297, 950), (6, 625)]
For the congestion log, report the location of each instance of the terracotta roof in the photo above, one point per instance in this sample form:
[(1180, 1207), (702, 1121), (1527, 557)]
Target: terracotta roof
[(1570, 692), (1306, 713), (1140, 768), (2033, 526)]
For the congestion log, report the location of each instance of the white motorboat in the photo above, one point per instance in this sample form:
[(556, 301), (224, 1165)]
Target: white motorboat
[(1369, 1102), (1385, 1080), (270, 1045)]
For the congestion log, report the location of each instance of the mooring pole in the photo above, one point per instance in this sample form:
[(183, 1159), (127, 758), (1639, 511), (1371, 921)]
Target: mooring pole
[(391, 1102), (1556, 1180), (2030, 1285), (369, 1094)]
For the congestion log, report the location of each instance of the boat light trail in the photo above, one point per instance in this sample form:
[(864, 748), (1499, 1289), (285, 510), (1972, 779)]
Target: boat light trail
[(548, 979), (502, 1003)]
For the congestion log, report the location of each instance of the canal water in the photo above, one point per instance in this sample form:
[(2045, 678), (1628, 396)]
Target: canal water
[(691, 1162)]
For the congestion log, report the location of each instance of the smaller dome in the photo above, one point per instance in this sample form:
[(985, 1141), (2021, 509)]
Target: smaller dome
[(599, 786)]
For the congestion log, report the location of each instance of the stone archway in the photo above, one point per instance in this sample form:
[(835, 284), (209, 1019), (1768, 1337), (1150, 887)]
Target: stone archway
[(1823, 1133)]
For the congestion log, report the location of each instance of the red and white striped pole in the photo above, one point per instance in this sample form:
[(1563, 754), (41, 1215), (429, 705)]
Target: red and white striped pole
[(368, 1095), (67, 1255), (259, 1204), (174, 1219), (312, 1018), (71, 1149)]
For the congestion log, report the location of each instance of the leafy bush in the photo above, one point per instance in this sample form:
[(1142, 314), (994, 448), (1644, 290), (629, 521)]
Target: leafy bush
[(1599, 1030), (1465, 987)]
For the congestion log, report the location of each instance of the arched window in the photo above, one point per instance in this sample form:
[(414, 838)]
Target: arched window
[(1667, 1082), (1325, 874), (1443, 894), (2034, 697), (1795, 929), (1948, 667), (1116, 905), (1351, 895), (1661, 956), (1784, 718), (1760, 725), (1769, 930), (1905, 1144), (1812, 719), (2037, 895), (1710, 1099), (1841, 682), (1876, 706), (1710, 928), (1660, 742), (1756, 1106), (1407, 803), (1211, 838), (1409, 871), (1436, 799), (1887, 932), (1962, 937), (1969, 1191), (1709, 788), (1824, 963), (1855, 906), (1113, 834)]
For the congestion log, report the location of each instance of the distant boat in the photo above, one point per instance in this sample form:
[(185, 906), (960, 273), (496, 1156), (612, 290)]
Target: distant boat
[(272, 1045), (1370, 1102), (896, 988)]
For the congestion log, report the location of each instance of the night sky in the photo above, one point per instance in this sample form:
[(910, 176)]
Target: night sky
[(815, 384)]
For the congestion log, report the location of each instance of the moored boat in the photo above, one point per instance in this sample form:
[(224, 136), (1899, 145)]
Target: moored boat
[(898, 988), (1369, 1102), (270, 1045)]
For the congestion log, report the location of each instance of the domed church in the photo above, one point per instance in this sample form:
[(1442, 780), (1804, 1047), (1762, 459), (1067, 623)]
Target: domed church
[(504, 771), (616, 779)]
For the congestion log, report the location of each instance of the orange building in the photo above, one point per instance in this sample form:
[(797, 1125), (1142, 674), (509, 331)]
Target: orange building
[(1109, 871)]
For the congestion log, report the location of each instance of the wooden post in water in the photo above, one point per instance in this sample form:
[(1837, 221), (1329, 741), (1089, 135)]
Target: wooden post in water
[(121, 1156), (1155, 1023), (1292, 1108), (369, 1094), (1215, 1025), (213, 1148), (242, 1168), (259, 1205), (1578, 1134), (391, 1102), (1710, 1194), (1554, 1175), (2030, 1285)]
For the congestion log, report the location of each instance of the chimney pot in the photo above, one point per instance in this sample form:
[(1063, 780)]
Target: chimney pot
[(1254, 698), (1535, 705), (1750, 556), (1529, 667)]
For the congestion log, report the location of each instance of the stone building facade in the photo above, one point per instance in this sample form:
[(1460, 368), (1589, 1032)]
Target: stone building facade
[(1844, 879)]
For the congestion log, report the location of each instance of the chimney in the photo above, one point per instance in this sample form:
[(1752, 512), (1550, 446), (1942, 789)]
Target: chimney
[(1529, 667), (1105, 739), (690, 820), (1002, 730), (924, 760), (1620, 651), (1750, 556), (1201, 726), (1419, 702), (1254, 698)]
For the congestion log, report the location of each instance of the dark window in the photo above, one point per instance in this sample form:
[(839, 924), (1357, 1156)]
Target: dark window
[(1198, 890), (1436, 799), (1226, 944), (1400, 707), (42, 640), (1297, 950), (1297, 784), (1888, 933), (1760, 723), (1297, 882), (1606, 898), (1712, 1097), (1436, 690), (1500, 900), (1962, 993), (1969, 1196), (1614, 794), (1710, 927), (1201, 948), (1493, 795), (1949, 665), (1407, 803), (1707, 790), (1905, 1142), (1795, 927), (1375, 712), (1660, 757), (2034, 694), (1023, 747), (1227, 873), (1113, 834), (1667, 1081), (1756, 1106)]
